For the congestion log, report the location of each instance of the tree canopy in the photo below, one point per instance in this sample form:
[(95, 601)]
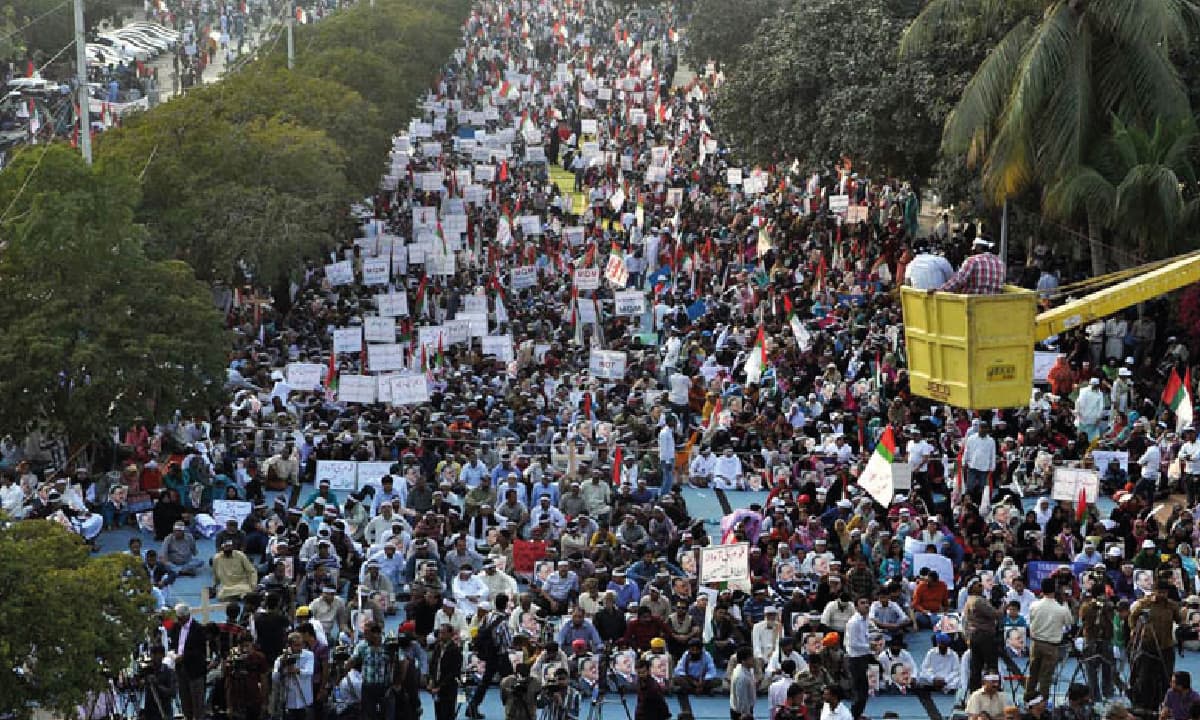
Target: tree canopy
[(719, 28), (93, 332), (68, 617)]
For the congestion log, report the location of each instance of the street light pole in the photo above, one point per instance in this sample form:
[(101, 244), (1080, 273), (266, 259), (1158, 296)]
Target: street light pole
[(291, 44), (84, 115)]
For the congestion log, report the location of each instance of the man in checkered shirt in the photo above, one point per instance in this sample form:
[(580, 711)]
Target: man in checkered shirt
[(981, 274)]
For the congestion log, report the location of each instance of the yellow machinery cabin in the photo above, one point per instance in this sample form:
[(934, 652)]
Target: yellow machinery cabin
[(976, 351)]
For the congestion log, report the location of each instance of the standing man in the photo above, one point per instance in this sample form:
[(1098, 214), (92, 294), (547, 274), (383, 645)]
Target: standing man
[(742, 686), (491, 645), (858, 654), (979, 456), (1048, 619), (980, 620), (1096, 621), (372, 659), (444, 669), (666, 453), (160, 687), (1189, 454), (294, 670), (190, 646)]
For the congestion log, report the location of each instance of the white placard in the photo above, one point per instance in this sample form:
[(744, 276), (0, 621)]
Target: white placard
[(356, 388), (379, 330), (587, 279), (589, 126), (410, 390), (630, 303), (901, 476), (942, 564), (341, 474), (725, 563), (1067, 482), (458, 330), (1042, 362), (607, 364), (587, 311), (387, 357), (377, 271), (340, 273), (438, 264), (392, 304), (733, 176), (347, 340), (839, 204), (573, 235), (226, 510), (305, 377), (499, 345), (371, 473), (1101, 459), (524, 277), (431, 335), (473, 304), (530, 224)]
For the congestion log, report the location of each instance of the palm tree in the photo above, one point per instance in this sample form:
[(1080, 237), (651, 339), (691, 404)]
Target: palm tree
[(1059, 71), (1134, 187)]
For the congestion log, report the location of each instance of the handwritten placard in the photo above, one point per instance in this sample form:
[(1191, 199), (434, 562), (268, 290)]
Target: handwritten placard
[(725, 563), (341, 474), (347, 340), (379, 329), (305, 376)]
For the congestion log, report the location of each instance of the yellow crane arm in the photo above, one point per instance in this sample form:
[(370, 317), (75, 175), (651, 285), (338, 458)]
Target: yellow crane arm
[(1102, 303)]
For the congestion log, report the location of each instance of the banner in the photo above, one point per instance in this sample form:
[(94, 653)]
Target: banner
[(940, 563), (410, 390), (225, 510), (526, 553), (376, 271), (305, 376), (607, 364), (1067, 482), (1042, 362), (524, 277), (725, 563), (501, 346), (347, 340), (901, 476), (340, 273), (356, 388), (474, 304), (379, 330), (370, 473), (587, 279), (341, 474), (631, 303), (392, 304), (385, 357)]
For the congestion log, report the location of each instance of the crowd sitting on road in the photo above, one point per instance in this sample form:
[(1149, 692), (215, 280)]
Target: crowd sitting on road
[(526, 515)]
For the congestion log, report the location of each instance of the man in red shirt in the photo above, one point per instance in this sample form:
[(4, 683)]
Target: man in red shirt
[(981, 274), (929, 599), (640, 632)]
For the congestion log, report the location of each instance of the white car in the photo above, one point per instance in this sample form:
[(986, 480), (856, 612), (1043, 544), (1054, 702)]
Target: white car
[(122, 50), (105, 55), (130, 45), (158, 31), (142, 38)]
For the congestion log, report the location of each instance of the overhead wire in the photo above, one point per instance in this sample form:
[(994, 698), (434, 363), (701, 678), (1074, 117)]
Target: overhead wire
[(31, 23)]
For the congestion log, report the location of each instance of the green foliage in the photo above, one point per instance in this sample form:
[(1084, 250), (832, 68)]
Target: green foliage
[(823, 81), (92, 332), (65, 613), (1046, 92), (719, 28)]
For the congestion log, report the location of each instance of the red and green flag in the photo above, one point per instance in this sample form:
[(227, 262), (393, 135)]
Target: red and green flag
[(1177, 395), (876, 477)]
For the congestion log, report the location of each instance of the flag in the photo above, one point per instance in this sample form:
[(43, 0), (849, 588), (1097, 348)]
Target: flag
[(756, 361), (504, 236), (876, 477), (985, 505), (501, 311), (331, 378), (419, 303), (1177, 396), (1081, 507), (618, 458), (615, 271), (587, 407), (803, 338), (713, 419)]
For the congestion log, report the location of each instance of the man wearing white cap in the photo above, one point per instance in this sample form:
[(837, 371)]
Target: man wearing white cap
[(330, 610), (986, 703), (981, 274), (1151, 462), (468, 590), (1089, 409)]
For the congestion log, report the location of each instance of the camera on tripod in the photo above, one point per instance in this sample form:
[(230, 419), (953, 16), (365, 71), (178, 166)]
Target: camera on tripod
[(143, 667), (341, 653), (287, 658)]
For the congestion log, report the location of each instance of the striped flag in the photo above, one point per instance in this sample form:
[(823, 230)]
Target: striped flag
[(876, 477), (756, 361), (1177, 395)]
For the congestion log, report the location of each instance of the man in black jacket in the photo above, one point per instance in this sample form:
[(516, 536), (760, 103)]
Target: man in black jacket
[(189, 642), (444, 669)]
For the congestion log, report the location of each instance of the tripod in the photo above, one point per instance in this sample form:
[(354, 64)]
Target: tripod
[(607, 678)]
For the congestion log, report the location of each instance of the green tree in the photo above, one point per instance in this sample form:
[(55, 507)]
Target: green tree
[(1133, 187), (68, 617), (822, 81), (92, 332), (718, 29), (1046, 92), (49, 25)]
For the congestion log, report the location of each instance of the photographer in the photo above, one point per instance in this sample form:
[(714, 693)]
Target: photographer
[(559, 699), (158, 681), (245, 679), (1049, 618), (294, 672), (444, 669), (651, 703), (520, 693), (491, 644), (1096, 622)]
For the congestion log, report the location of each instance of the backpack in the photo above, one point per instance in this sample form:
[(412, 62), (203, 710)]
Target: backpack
[(485, 641)]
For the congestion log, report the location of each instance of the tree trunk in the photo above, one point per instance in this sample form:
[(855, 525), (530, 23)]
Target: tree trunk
[(1096, 248)]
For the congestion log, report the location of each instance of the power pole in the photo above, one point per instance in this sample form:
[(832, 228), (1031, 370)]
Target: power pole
[(291, 44), (84, 116)]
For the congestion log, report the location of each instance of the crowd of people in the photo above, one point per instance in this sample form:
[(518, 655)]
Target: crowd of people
[(568, 304)]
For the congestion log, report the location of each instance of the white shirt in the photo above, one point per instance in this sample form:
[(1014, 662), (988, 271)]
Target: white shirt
[(1151, 462), (777, 693), (1089, 405), (918, 451), (678, 394), (299, 690), (937, 665), (1189, 451), (928, 271), (835, 712), (1025, 597), (764, 639), (12, 500), (701, 467), (980, 453), (464, 590), (858, 641), (666, 445), (729, 467)]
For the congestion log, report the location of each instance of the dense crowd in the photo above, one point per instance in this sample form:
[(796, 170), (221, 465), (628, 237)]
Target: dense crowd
[(655, 317)]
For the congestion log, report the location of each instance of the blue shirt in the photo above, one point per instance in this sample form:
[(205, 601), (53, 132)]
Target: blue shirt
[(560, 588), (627, 594), (702, 669), (586, 632)]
